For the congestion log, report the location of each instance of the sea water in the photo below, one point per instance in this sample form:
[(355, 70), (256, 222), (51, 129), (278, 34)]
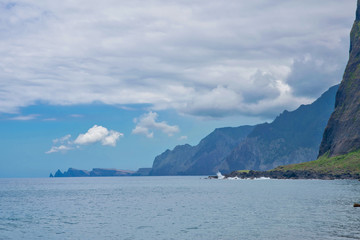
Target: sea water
[(178, 208)]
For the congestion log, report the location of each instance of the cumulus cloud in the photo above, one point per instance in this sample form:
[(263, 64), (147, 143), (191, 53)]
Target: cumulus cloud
[(147, 123), (98, 134), (93, 135), (171, 54)]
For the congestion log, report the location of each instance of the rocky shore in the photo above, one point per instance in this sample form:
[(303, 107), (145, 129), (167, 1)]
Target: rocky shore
[(290, 174)]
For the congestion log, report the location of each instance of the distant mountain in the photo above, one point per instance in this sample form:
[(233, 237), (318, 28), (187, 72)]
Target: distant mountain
[(203, 158), (342, 134), (96, 172), (292, 137)]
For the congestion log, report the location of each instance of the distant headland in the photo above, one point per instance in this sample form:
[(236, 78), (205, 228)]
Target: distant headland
[(101, 172)]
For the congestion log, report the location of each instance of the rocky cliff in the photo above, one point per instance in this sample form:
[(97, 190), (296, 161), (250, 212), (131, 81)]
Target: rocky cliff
[(203, 158), (342, 134), (293, 137)]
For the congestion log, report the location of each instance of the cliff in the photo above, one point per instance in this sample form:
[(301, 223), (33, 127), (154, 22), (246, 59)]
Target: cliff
[(342, 134), (293, 137), (203, 158)]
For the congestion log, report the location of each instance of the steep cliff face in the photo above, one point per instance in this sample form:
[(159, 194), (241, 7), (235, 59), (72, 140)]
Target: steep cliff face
[(293, 137), (342, 134), (203, 158)]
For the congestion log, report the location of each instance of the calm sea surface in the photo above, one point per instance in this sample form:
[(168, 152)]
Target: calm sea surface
[(178, 208)]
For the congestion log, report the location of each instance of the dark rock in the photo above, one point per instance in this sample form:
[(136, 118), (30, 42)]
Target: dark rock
[(72, 172), (356, 205), (290, 174), (143, 172), (342, 134), (51, 175), (109, 172), (59, 173)]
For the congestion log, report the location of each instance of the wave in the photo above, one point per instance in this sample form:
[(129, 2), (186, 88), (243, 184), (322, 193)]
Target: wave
[(237, 178), (219, 175)]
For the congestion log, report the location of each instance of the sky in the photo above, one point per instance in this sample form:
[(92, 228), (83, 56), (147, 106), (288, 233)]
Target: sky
[(113, 84)]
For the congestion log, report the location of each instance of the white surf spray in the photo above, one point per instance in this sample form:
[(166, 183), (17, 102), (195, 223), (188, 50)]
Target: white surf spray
[(219, 175), (262, 178), (233, 178)]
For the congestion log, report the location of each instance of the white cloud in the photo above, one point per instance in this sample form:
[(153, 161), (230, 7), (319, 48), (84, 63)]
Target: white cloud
[(65, 139), (183, 138), (170, 54), (76, 115), (111, 138), (49, 119), (61, 148), (99, 134), (93, 135), (147, 123), (25, 118)]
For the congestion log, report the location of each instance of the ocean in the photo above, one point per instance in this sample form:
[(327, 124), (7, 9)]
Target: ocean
[(178, 208)]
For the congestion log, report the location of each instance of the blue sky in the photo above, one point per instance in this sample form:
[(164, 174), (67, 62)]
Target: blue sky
[(123, 81), (27, 138)]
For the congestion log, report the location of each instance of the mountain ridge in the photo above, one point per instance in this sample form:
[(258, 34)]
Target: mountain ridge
[(258, 145), (185, 159), (293, 137)]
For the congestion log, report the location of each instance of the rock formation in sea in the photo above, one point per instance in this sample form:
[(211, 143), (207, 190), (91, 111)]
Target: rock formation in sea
[(291, 138), (342, 134)]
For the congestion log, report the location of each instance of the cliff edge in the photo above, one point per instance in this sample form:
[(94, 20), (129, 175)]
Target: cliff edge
[(342, 134)]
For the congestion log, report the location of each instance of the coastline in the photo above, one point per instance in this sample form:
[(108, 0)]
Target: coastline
[(289, 174)]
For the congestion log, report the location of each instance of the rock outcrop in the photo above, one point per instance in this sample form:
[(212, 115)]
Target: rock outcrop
[(342, 134), (290, 174), (142, 172)]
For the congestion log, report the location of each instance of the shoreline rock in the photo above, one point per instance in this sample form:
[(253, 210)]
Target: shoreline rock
[(290, 174)]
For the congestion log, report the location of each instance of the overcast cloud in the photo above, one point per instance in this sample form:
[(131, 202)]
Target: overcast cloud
[(203, 58)]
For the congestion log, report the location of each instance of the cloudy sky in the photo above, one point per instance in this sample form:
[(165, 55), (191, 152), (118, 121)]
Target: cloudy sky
[(83, 82)]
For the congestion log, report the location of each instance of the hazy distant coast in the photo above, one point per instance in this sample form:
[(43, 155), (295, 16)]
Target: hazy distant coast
[(100, 172)]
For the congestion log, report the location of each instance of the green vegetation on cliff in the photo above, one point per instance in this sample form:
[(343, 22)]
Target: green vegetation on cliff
[(342, 135), (342, 164)]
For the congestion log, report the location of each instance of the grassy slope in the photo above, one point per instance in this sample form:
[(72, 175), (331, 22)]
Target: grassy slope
[(348, 163)]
